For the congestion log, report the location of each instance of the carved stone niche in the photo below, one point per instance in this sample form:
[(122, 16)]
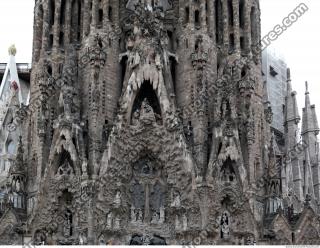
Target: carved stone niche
[(65, 167), (146, 106), (227, 174), (225, 225), (65, 216)]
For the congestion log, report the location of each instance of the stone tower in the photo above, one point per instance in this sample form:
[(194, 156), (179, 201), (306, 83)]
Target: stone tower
[(147, 124)]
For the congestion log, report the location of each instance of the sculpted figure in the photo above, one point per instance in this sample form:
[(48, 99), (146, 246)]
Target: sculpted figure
[(117, 200), (176, 200), (109, 220), (224, 225)]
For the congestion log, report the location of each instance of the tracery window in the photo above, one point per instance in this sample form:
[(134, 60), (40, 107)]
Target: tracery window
[(147, 192)]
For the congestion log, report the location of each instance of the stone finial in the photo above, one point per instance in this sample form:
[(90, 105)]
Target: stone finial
[(12, 50), (307, 88)]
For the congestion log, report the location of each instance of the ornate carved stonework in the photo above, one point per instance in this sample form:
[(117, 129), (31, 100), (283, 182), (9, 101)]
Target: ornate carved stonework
[(148, 127)]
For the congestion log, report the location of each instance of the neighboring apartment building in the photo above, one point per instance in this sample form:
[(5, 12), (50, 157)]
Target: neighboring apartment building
[(14, 91)]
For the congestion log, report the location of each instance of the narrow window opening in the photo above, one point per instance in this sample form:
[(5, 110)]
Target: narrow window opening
[(60, 68), (207, 14), (100, 43), (241, 14), (173, 65), (62, 12), (293, 238), (79, 21), (100, 18), (197, 18), (50, 41), (49, 70), (230, 13), (90, 19), (123, 69), (61, 39), (110, 14), (51, 13), (187, 13), (242, 43), (170, 36), (243, 72), (231, 43), (218, 21)]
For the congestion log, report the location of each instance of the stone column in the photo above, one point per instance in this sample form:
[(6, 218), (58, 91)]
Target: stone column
[(67, 25), (211, 18), (86, 18), (236, 27), (94, 21), (191, 14), (38, 31), (247, 27), (46, 31), (105, 14), (225, 25), (146, 207), (203, 14), (181, 12), (56, 26)]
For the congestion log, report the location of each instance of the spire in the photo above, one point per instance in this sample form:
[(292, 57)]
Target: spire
[(18, 165), (310, 130), (291, 108), (307, 100), (309, 121), (292, 117)]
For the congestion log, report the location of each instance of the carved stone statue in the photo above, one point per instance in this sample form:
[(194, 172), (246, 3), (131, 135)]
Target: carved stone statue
[(65, 170), (135, 118), (184, 222), (82, 238), (225, 226), (140, 218), (109, 220), (84, 167), (133, 214), (155, 218), (176, 200), (67, 227), (177, 223), (18, 185), (162, 215), (147, 114), (117, 222), (117, 200)]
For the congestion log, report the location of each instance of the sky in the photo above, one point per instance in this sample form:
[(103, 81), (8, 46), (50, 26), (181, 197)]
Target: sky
[(299, 45)]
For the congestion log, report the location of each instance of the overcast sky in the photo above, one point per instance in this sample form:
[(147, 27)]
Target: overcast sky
[(299, 45)]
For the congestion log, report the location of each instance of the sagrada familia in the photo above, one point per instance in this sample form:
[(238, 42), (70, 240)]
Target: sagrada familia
[(149, 123)]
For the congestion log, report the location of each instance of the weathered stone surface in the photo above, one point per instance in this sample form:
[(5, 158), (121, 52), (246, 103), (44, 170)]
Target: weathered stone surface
[(149, 127)]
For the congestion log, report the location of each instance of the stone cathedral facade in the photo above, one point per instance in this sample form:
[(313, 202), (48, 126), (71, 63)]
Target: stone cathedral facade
[(148, 123)]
